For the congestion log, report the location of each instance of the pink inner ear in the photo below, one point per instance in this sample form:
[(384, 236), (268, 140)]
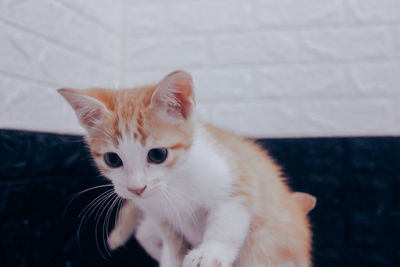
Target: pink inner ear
[(87, 109), (183, 98), (91, 116), (175, 94)]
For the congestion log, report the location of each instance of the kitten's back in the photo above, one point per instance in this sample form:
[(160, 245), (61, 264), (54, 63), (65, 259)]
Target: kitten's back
[(279, 230)]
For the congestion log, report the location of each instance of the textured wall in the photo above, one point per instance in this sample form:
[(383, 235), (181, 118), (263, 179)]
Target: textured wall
[(48, 44), (276, 68), (264, 68)]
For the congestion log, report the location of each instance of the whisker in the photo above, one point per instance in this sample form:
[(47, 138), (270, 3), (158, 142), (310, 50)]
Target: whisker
[(105, 205), (178, 216), (174, 210), (187, 206), (88, 210), (116, 221), (93, 201), (74, 196), (98, 213), (96, 232), (106, 223)]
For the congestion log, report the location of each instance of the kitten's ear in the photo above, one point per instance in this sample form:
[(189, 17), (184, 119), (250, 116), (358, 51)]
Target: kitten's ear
[(174, 96), (89, 110), (307, 201)]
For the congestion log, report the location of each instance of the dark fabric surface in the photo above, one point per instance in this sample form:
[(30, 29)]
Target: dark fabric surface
[(356, 180)]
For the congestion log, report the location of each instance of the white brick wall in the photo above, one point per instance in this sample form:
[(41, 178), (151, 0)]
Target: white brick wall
[(263, 68), (269, 68), (48, 44)]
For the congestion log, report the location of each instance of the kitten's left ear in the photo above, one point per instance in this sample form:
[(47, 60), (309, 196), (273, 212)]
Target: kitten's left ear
[(89, 110), (174, 96)]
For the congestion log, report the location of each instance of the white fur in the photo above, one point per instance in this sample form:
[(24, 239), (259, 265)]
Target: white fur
[(149, 237), (198, 204)]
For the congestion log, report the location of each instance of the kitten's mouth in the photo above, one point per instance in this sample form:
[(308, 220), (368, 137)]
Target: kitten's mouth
[(139, 194), (142, 196), (137, 191)]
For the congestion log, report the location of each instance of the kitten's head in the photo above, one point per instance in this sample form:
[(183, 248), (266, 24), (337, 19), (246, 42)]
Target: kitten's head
[(138, 136)]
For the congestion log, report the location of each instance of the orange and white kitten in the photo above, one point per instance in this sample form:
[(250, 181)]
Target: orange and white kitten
[(130, 217), (220, 192)]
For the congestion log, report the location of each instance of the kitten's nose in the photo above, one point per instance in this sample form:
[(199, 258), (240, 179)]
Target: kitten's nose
[(137, 191)]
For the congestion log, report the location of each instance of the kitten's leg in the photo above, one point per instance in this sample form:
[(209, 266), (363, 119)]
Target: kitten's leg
[(227, 226), (174, 247), (149, 237), (162, 242), (125, 226)]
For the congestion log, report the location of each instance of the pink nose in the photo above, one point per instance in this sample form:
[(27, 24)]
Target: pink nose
[(137, 191)]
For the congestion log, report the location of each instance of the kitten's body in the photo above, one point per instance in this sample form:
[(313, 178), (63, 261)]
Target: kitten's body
[(221, 192)]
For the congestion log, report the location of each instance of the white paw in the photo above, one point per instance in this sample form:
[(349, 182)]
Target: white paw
[(114, 240), (213, 255)]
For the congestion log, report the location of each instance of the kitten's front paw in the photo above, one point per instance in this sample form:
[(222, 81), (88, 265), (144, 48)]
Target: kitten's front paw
[(114, 240), (211, 255)]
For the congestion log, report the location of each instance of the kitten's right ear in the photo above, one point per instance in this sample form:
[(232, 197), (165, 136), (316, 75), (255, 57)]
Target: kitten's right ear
[(174, 96), (89, 110)]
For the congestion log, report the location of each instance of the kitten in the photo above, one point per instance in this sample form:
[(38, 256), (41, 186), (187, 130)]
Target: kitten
[(130, 215), (222, 193)]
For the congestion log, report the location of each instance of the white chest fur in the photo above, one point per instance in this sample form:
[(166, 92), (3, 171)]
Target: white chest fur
[(203, 180)]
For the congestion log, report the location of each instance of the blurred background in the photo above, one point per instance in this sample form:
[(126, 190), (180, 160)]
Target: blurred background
[(315, 82)]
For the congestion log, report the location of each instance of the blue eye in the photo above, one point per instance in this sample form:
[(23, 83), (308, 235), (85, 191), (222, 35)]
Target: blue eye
[(157, 155), (112, 160)]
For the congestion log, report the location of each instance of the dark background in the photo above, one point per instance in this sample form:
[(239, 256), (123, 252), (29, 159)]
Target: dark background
[(355, 223)]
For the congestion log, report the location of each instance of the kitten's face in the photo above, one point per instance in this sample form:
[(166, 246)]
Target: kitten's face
[(139, 136)]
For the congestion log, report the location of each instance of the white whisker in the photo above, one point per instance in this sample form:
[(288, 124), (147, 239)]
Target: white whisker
[(107, 223), (106, 204), (88, 210), (187, 206), (167, 197), (74, 196)]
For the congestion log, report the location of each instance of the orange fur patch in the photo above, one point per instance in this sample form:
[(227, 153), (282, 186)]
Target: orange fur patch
[(131, 114), (172, 163), (180, 146)]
